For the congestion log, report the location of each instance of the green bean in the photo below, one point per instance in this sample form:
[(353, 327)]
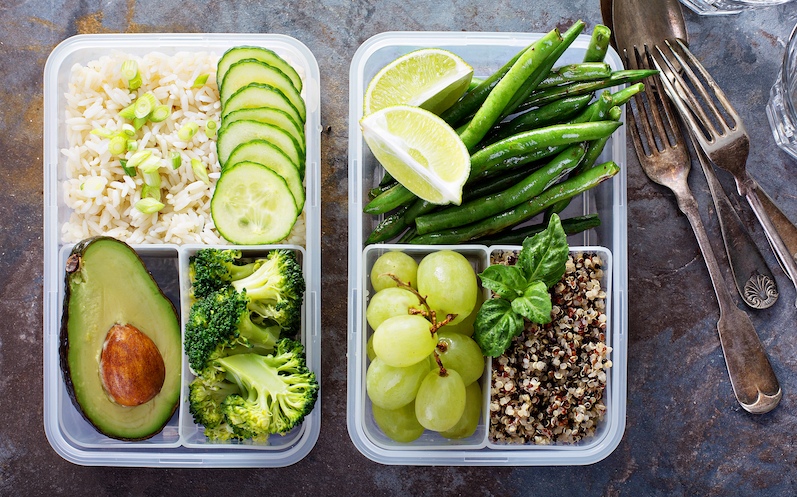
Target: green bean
[(536, 140), (542, 97), (534, 80), (553, 113), (522, 191), (598, 44), (387, 179), (574, 73), (391, 227), (375, 192), (620, 98), (590, 178), (571, 226), (408, 235), (474, 82), (471, 101), (389, 200), (495, 103)]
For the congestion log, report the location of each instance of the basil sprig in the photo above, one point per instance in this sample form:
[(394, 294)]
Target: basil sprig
[(522, 289)]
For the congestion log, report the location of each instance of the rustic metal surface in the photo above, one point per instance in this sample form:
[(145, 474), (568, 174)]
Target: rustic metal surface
[(699, 444)]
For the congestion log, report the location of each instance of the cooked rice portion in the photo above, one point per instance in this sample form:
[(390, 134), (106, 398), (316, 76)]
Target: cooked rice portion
[(106, 205)]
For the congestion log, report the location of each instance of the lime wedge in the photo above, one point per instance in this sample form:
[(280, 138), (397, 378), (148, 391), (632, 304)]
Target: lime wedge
[(420, 150), (431, 78)]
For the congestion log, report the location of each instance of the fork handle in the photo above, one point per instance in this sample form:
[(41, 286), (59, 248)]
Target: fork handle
[(753, 380)]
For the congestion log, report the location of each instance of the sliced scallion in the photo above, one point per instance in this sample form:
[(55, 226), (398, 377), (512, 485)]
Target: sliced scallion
[(137, 158), (145, 104), (130, 74), (150, 165), (103, 132), (130, 171), (138, 122), (152, 179), (128, 130), (160, 113), (151, 192), (149, 205), (200, 81), (118, 145), (210, 128), (177, 160), (200, 171), (132, 145), (128, 112), (188, 131)]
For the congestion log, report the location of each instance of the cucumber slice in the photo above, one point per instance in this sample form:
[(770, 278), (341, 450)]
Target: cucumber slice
[(269, 116), (252, 205), (238, 132), (235, 54), (262, 152), (261, 95), (248, 71)]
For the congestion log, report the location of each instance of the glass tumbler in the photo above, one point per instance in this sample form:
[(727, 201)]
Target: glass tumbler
[(782, 105), (724, 7)]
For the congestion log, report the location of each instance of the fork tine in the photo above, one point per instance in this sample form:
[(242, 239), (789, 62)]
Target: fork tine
[(654, 83)]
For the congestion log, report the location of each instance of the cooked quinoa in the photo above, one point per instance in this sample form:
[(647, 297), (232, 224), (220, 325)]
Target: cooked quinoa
[(548, 386)]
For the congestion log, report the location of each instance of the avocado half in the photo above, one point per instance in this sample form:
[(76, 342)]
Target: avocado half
[(108, 289)]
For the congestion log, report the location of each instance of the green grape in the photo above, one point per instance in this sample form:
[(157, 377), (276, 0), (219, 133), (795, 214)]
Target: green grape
[(398, 263), (440, 401), (448, 282), (467, 424), (388, 303), (369, 348), (462, 354), (466, 326), (399, 424), (389, 387), (402, 341)]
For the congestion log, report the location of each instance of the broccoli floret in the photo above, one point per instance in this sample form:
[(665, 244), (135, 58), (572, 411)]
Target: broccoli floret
[(220, 324), (275, 291), (213, 269), (277, 390), (205, 397)]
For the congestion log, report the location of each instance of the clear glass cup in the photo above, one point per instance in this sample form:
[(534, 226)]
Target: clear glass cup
[(724, 7), (782, 105)]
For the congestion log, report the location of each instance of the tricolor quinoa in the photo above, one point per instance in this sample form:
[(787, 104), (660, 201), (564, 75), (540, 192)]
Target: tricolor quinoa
[(94, 98)]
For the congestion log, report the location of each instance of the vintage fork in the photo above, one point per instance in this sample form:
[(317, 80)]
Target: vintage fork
[(665, 160), (726, 144)]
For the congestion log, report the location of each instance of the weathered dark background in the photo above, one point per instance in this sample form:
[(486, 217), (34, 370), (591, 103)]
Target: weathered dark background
[(685, 434)]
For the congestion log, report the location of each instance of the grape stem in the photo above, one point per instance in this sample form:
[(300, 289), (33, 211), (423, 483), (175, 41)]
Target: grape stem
[(428, 313), (443, 373)]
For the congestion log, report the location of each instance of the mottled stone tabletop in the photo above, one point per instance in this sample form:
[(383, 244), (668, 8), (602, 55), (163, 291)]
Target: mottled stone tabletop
[(685, 434)]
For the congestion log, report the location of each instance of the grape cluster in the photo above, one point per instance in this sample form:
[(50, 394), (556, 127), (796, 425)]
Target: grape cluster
[(424, 367)]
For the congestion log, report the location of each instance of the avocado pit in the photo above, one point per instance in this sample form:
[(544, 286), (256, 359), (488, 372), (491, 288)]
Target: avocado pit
[(131, 366)]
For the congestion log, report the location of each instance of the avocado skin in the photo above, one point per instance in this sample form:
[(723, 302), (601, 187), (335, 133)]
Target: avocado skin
[(74, 266)]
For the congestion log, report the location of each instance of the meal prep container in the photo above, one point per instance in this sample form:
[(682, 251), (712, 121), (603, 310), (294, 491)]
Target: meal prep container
[(486, 52), (181, 443)]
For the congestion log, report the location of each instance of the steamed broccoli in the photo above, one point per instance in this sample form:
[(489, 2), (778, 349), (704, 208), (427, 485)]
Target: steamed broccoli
[(277, 390), (213, 269), (220, 324)]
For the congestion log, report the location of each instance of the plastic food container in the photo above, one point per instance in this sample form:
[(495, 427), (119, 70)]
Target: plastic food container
[(181, 443), (486, 52)]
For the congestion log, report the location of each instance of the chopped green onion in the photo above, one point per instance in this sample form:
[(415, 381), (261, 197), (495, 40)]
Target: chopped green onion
[(152, 179), (188, 131), (130, 171), (149, 205), (138, 122), (200, 81), (118, 145), (145, 104), (137, 158), (130, 74), (210, 128), (160, 113), (177, 160), (132, 145), (150, 165), (128, 130), (200, 171), (93, 183), (128, 112), (103, 132), (151, 192)]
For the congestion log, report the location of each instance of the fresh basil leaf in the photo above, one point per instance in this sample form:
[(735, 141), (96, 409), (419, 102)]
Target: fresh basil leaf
[(535, 304), (544, 255), (495, 326), (507, 281)]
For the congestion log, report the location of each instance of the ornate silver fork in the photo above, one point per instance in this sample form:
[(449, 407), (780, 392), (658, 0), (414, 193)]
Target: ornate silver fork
[(665, 160), (725, 143)]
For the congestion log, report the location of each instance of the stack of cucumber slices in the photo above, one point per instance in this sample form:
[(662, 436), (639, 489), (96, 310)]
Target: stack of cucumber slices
[(261, 147)]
